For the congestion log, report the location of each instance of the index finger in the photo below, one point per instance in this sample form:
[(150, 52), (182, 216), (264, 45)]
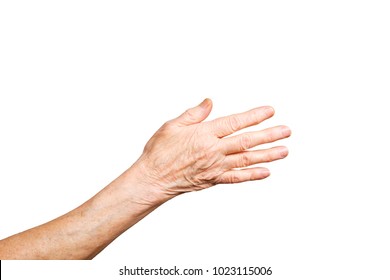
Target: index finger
[(227, 125)]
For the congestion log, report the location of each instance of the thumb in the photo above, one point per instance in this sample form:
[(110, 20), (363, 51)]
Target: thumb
[(196, 114)]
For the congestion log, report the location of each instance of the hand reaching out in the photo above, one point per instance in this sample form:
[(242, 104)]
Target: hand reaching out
[(187, 154)]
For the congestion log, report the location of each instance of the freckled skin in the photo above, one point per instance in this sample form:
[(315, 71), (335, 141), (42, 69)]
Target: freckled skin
[(186, 154)]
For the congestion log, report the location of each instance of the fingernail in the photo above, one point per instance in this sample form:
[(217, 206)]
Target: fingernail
[(265, 172), (269, 110), (205, 103), (286, 131), (283, 152)]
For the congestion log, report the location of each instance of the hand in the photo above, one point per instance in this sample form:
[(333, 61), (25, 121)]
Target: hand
[(186, 154)]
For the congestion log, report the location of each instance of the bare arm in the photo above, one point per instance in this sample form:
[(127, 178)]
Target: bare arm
[(185, 154)]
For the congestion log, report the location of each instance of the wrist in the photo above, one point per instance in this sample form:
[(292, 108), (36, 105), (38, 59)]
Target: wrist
[(142, 189)]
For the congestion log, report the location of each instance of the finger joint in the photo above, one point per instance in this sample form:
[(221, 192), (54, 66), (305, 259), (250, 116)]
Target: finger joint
[(234, 123), (245, 142)]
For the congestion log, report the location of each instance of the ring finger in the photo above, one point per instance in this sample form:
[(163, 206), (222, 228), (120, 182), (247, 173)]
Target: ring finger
[(248, 158)]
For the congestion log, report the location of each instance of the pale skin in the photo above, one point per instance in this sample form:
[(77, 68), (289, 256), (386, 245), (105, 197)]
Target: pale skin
[(186, 154)]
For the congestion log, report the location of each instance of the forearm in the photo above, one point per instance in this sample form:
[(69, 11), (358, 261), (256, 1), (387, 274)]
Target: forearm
[(184, 155), (88, 229)]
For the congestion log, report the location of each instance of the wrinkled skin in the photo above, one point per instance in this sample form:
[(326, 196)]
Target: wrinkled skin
[(187, 154)]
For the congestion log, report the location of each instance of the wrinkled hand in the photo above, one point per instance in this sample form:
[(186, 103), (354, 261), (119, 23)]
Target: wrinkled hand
[(186, 154)]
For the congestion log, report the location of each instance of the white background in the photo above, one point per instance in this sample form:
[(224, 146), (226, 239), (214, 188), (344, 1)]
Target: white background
[(84, 84)]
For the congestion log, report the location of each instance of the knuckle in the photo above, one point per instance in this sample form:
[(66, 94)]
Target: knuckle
[(267, 157), (245, 159), (234, 123), (233, 178), (202, 155), (207, 177), (198, 147), (245, 141), (269, 137), (189, 113), (167, 124), (205, 150), (256, 116), (213, 151)]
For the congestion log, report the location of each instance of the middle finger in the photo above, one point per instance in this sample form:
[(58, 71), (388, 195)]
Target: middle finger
[(245, 141)]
